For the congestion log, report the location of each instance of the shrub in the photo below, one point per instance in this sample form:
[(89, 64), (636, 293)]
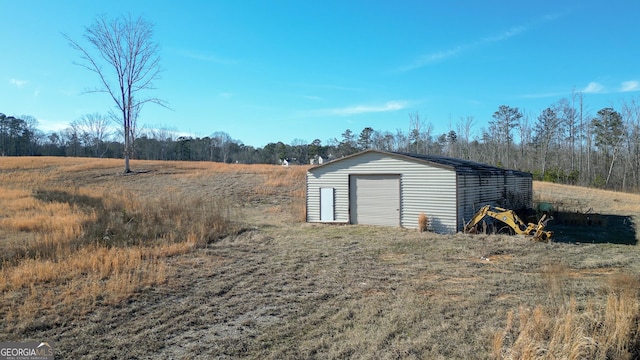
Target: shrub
[(423, 222)]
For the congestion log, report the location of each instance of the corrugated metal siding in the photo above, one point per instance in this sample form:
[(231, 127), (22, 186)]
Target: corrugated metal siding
[(430, 190), (518, 190), (375, 199), (475, 191), (511, 191), (423, 188), (468, 198), (340, 183), (524, 187)]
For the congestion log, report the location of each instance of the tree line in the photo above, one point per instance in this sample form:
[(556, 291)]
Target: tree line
[(563, 143)]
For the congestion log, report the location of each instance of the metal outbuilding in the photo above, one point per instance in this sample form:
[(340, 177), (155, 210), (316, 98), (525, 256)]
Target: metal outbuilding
[(392, 189)]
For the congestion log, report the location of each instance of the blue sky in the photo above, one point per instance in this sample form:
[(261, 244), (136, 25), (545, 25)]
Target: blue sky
[(268, 71)]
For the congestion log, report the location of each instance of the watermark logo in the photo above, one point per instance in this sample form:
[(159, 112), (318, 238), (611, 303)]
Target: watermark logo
[(26, 351)]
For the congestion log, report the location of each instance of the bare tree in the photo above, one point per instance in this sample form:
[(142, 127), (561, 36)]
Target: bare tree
[(126, 47), (524, 130), (402, 141), (465, 126), (631, 117), (584, 137), (568, 116), (96, 128), (383, 141), (222, 141), (419, 134)]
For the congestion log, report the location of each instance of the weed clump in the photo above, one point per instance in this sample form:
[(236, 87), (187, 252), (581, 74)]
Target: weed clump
[(130, 221), (569, 330), (423, 222)]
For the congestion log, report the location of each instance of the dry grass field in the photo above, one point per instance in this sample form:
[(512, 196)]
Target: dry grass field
[(189, 260)]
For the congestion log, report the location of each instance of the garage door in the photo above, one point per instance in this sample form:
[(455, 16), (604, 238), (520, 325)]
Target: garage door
[(375, 199)]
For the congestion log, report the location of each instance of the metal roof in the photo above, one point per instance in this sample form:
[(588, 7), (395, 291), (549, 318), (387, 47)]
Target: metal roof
[(458, 165), (461, 165)]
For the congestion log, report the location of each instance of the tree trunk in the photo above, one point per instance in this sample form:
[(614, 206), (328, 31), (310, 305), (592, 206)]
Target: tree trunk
[(613, 159), (127, 169), (544, 160), (127, 146)]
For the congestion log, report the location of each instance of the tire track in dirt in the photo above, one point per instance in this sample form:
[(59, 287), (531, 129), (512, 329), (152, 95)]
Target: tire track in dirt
[(217, 302)]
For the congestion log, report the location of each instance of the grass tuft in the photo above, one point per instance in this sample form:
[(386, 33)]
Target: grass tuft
[(568, 330), (423, 222)]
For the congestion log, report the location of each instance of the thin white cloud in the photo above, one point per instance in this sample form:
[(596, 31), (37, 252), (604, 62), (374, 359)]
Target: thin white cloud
[(437, 56), (504, 36), (226, 95), (631, 85), (593, 88), (597, 88), (364, 109), (359, 109), (19, 83), (442, 55)]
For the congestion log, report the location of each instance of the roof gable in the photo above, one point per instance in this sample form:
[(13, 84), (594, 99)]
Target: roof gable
[(371, 151)]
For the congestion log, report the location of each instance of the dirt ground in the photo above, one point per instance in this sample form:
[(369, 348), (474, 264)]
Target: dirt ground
[(283, 289)]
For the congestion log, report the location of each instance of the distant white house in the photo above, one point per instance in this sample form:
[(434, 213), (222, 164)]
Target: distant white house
[(316, 160)]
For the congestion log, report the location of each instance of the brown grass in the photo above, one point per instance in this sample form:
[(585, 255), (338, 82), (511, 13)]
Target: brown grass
[(75, 247), (582, 199), (423, 222), (202, 260), (593, 331)]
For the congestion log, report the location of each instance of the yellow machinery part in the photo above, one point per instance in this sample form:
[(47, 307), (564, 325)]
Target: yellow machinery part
[(509, 217)]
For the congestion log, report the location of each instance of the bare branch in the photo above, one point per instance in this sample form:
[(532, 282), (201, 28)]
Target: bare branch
[(126, 62)]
